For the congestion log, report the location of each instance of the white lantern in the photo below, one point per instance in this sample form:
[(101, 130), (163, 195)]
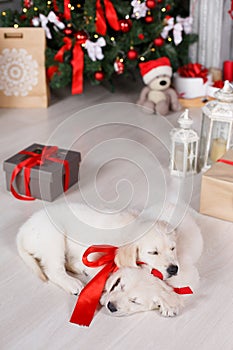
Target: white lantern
[(184, 152), (217, 132)]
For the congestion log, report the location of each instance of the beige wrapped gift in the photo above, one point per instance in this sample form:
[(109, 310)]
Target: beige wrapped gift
[(217, 189), (22, 68)]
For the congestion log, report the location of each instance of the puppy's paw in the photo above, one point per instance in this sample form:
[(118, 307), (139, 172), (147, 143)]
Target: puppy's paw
[(168, 311), (169, 305), (73, 286)]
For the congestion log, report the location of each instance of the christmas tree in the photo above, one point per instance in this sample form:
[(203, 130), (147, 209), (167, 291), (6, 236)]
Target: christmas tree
[(97, 39)]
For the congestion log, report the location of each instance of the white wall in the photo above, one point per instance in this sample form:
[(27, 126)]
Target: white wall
[(215, 28)]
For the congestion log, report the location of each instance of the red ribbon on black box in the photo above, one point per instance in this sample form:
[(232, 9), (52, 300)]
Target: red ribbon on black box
[(35, 158)]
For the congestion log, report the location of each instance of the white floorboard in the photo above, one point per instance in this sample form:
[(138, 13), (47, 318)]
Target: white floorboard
[(35, 315)]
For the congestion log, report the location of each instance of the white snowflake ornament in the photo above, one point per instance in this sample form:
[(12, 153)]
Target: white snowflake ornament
[(18, 72)]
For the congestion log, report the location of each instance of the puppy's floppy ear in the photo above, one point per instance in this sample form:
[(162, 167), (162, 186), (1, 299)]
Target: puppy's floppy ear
[(127, 256), (166, 227), (109, 286)]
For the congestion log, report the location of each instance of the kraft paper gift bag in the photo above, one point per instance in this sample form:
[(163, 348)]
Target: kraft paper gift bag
[(22, 68), (217, 189)]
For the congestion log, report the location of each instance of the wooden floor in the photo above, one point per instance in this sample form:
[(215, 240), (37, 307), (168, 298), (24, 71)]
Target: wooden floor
[(35, 315)]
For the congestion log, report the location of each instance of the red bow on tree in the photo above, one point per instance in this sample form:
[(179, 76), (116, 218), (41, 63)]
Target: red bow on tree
[(77, 61), (110, 14)]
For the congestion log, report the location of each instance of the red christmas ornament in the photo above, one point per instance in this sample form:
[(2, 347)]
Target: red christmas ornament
[(81, 36), (150, 4), (141, 36), (99, 75), (168, 7), (158, 41), (125, 25), (132, 54), (119, 66), (149, 19), (159, 1)]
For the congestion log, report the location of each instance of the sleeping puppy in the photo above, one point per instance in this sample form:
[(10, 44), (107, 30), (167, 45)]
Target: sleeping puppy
[(166, 251), (131, 290), (157, 249), (50, 252)]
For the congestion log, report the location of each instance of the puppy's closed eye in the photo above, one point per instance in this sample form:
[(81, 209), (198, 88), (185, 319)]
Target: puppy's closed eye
[(154, 252), (115, 284), (134, 301)]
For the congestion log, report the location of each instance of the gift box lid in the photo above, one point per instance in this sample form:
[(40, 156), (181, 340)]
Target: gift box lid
[(49, 169), (220, 170)]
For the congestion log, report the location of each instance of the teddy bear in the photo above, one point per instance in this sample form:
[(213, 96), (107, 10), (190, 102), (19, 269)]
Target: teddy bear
[(158, 96)]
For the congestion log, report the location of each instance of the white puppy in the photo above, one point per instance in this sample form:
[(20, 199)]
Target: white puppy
[(51, 253), (131, 290)]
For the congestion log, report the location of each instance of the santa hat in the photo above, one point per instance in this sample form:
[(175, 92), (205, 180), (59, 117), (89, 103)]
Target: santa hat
[(152, 69)]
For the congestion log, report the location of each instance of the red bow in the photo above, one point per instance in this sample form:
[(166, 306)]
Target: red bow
[(33, 160), (193, 70), (77, 63), (90, 295), (111, 16), (182, 290)]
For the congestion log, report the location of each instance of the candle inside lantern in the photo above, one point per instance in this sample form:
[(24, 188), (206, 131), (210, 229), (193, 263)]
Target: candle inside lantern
[(218, 149), (179, 157)]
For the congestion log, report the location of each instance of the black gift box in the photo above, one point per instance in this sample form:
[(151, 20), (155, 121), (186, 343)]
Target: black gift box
[(46, 180)]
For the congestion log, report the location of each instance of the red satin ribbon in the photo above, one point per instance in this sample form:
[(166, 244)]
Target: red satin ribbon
[(78, 67), (193, 70), (110, 14), (157, 273), (90, 295), (33, 160), (182, 290), (66, 12), (229, 162), (67, 46), (77, 63)]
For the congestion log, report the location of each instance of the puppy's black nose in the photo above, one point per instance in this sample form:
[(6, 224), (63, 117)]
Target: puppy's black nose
[(163, 82), (172, 270), (111, 307)]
